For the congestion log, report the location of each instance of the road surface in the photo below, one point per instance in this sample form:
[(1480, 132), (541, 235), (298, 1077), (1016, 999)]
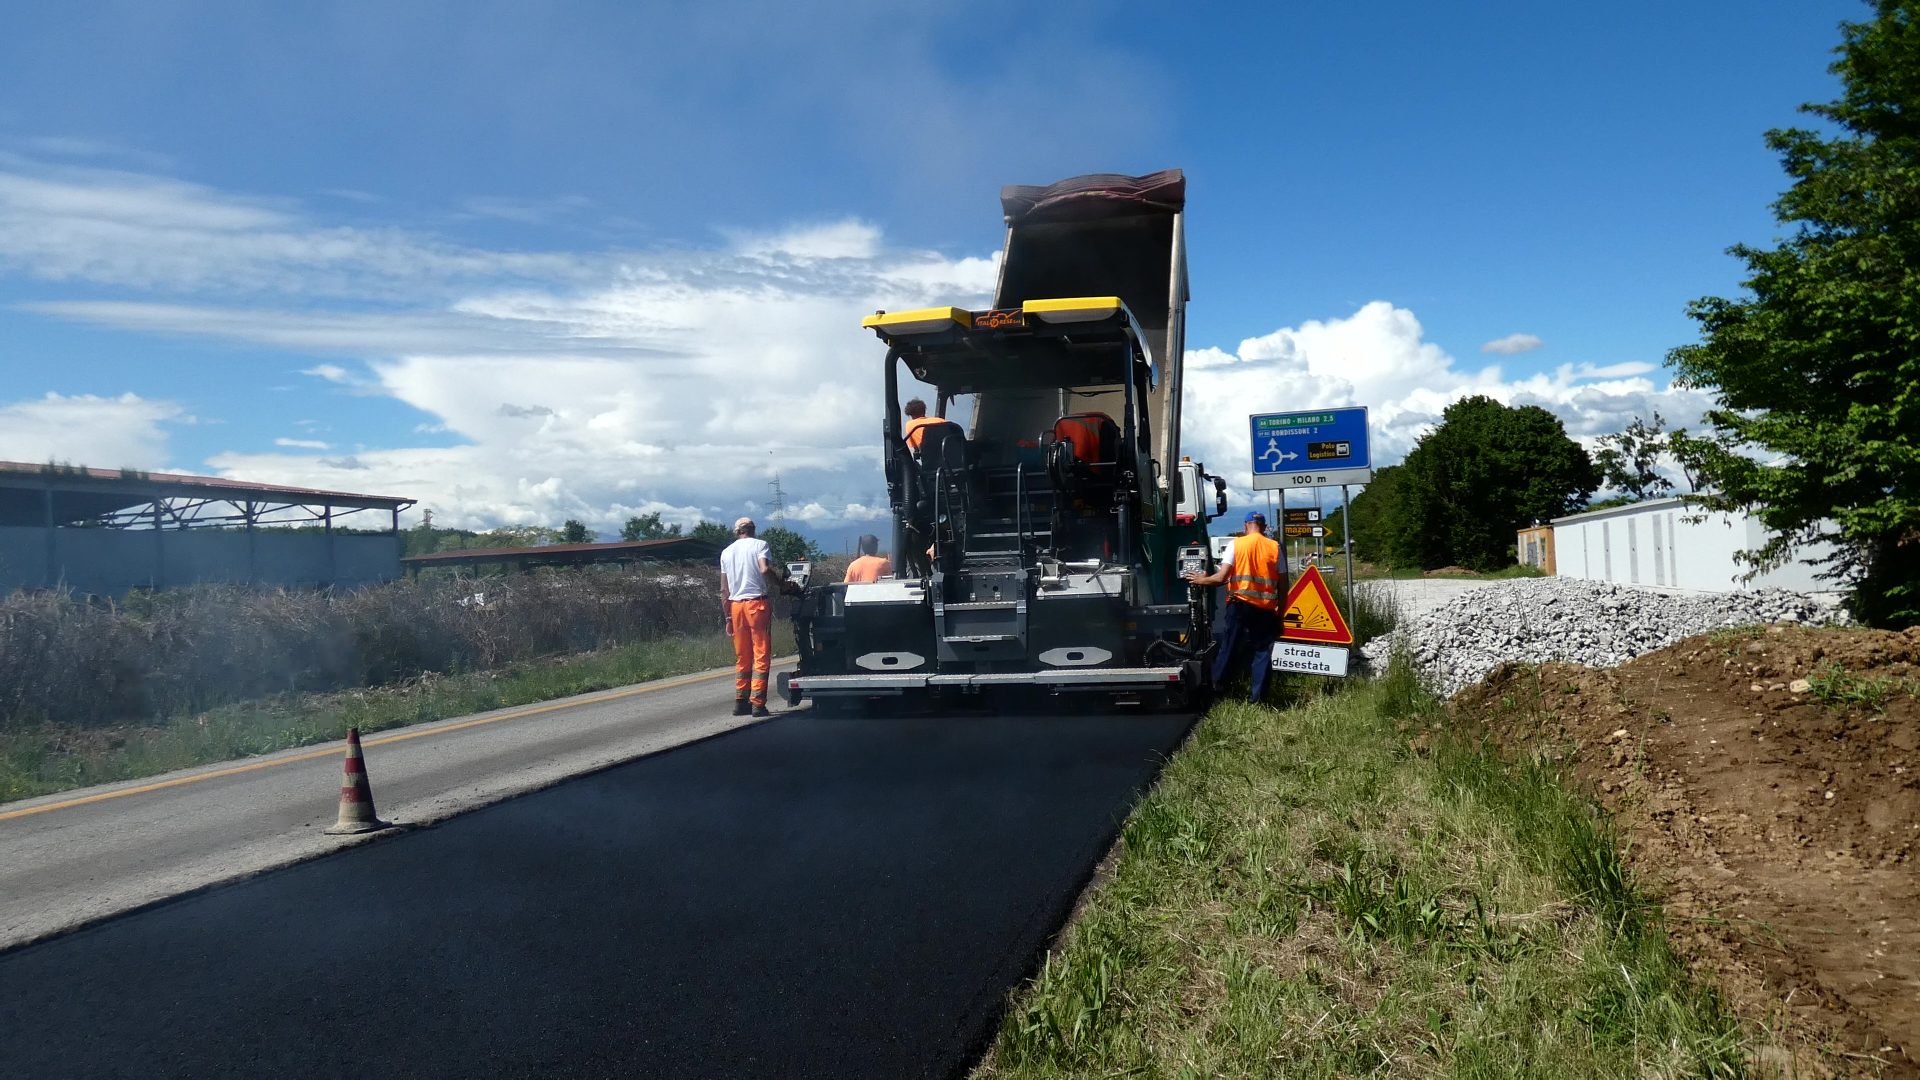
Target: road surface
[(75, 857), (806, 897)]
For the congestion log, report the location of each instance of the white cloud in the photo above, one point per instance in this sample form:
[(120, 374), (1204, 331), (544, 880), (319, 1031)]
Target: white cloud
[(1379, 357), (71, 223), (849, 239), (128, 431), (525, 211), (1512, 344), (302, 444), (330, 372)]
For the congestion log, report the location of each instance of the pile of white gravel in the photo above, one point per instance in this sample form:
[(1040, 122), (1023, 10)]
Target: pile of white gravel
[(1594, 623)]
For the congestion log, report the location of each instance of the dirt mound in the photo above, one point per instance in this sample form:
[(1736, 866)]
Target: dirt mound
[(1450, 571), (1768, 784)]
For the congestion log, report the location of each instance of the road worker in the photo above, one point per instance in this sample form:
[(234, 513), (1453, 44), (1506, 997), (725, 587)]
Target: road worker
[(1086, 432), (871, 565), (749, 581), (1256, 583), (918, 422)]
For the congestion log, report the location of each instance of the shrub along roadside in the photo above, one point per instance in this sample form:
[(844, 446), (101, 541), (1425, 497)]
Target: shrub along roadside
[(41, 760), (68, 661), (1320, 892)]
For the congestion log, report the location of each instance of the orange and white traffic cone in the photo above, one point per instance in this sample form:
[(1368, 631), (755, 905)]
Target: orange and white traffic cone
[(356, 796)]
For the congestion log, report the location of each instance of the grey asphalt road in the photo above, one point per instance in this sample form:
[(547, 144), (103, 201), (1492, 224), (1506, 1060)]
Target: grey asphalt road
[(69, 859), (807, 897)]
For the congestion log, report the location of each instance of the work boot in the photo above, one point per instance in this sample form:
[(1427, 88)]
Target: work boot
[(761, 710), (740, 707)]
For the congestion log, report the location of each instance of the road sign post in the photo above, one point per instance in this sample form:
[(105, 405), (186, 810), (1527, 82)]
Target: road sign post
[(1322, 448), (1346, 537)]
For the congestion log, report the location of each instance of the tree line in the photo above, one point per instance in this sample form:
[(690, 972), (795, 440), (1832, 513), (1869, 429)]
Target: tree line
[(425, 538)]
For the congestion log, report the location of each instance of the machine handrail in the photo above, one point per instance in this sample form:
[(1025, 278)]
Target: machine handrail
[(1020, 507)]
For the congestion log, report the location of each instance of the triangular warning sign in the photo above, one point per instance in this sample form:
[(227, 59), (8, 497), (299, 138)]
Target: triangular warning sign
[(1311, 614)]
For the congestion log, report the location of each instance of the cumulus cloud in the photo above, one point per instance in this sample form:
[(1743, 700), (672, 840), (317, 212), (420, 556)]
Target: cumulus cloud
[(128, 431), (1512, 344), (302, 444), (1379, 357)]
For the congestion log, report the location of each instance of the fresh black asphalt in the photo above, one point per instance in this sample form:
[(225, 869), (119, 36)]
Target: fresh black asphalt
[(809, 897)]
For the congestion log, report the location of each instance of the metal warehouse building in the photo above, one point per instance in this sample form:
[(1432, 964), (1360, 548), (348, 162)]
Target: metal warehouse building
[(1665, 542), (107, 532)]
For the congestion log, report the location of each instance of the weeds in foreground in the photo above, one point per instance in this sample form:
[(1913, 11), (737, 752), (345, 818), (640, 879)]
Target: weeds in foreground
[(1338, 889), (83, 663), (1517, 570), (1840, 688)]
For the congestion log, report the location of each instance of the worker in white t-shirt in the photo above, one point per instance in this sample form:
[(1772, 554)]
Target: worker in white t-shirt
[(747, 574)]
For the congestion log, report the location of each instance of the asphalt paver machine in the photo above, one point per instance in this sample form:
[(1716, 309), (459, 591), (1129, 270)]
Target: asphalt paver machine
[(1040, 538)]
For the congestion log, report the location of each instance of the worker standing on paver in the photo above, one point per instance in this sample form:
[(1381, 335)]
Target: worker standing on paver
[(917, 423), (871, 565), (1256, 581), (746, 573)]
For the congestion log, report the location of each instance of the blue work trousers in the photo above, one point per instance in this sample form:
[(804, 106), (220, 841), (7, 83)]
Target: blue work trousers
[(1246, 629)]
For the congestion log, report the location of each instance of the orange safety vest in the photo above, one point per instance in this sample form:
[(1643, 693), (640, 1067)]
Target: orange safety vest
[(1257, 578), (1083, 433), (916, 429), (868, 568)]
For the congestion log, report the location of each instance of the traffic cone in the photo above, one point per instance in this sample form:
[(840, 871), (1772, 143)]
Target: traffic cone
[(356, 796)]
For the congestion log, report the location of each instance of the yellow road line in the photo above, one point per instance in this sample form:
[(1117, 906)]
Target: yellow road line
[(383, 740)]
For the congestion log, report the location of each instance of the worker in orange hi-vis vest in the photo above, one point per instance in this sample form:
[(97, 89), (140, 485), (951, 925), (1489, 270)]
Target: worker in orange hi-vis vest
[(747, 575), (1082, 432), (1256, 583), (918, 422), (871, 565)]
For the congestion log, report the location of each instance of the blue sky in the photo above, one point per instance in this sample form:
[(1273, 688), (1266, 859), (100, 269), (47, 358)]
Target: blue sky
[(596, 259)]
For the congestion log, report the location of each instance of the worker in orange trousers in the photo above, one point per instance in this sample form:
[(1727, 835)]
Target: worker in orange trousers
[(748, 578)]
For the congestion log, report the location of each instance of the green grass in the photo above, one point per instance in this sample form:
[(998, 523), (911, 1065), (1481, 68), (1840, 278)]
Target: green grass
[(1841, 689), (46, 759), (1337, 890)]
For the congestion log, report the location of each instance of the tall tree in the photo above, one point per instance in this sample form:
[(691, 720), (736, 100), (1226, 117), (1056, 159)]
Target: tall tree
[(1485, 472), (574, 532), (712, 532), (1629, 461), (1379, 516), (648, 527), (790, 546), (1818, 368)]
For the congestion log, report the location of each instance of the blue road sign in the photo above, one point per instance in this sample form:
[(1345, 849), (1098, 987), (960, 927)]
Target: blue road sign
[(1318, 448)]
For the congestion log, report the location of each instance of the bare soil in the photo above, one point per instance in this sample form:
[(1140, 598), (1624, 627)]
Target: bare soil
[(1780, 829)]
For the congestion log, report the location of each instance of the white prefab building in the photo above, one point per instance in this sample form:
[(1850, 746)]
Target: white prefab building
[(1667, 543)]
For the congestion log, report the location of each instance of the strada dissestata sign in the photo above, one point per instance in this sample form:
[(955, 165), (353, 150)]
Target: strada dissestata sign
[(1328, 660)]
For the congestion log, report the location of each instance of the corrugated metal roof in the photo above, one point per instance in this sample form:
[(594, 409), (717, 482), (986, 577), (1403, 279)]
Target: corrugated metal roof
[(40, 476)]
